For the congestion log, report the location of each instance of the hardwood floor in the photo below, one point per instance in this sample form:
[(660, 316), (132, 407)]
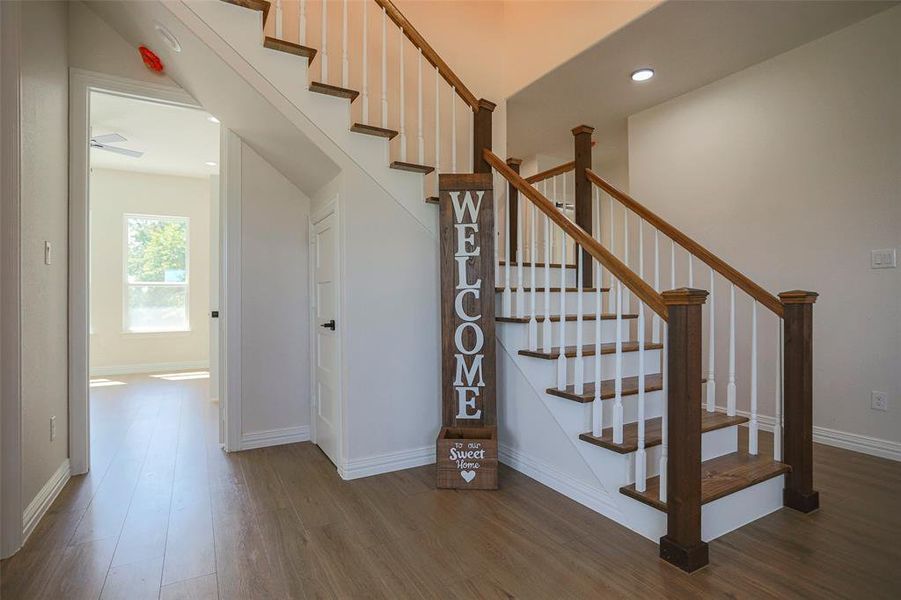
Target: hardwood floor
[(165, 513)]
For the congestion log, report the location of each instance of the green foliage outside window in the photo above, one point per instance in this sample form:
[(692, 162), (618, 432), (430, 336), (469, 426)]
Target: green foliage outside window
[(157, 250)]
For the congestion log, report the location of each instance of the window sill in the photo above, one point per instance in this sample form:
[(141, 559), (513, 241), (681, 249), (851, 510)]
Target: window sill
[(171, 333)]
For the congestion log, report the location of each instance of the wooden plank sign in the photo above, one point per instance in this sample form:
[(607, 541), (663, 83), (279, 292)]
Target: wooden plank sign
[(468, 369)]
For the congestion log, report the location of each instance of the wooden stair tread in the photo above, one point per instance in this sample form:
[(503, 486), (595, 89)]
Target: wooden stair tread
[(290, 47), (540, 290), (411, 167), (373, 130), (431, 200), (588, 350), (556, 318), (653, 431), (333, 90), (720, 477), (538, 264), (652, 383), (261, 5)]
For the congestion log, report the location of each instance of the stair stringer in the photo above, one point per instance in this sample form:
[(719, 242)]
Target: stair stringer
[(236, 35), (610, 469)]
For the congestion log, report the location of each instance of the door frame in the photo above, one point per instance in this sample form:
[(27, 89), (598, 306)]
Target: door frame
[(331, 207), (81, 84)]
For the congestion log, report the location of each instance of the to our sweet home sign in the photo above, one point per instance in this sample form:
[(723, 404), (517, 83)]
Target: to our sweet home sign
[(467, 443)]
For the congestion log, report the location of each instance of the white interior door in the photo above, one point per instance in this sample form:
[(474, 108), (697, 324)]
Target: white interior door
[(326, 408)]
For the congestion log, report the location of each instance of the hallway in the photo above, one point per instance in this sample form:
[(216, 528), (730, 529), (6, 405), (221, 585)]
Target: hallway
[(165, 513)]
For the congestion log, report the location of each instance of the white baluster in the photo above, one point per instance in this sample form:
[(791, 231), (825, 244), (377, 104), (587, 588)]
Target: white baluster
[(420, 137), (655, 322), (323, 52), (597, 408), (780, 382), (730, 387), (453, 129), (612, 248), (641, 464), (579, 368), (599, 271), (520, 292), (711, 349), (664, 425), (279, 20), (618, 377), (752, 424), (437, 127), (555, 253), (561, 359), (507, 295), (672, 266), (403, 104), (365, 62), (471, 140), (691, 273), (345, 60), (302, 25), (626, 299), (546, 324), (533, 323), (384, 68)]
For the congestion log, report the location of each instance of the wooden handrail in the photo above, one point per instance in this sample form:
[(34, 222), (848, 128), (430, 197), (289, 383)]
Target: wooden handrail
[(429, 53), (636, 284), (552, 172), (711, 260)]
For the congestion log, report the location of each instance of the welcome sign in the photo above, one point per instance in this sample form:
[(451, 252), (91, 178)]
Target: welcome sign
[(467, 444)]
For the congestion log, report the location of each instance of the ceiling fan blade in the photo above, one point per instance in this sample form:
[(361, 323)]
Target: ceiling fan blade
[(123, 151), (108, 138)]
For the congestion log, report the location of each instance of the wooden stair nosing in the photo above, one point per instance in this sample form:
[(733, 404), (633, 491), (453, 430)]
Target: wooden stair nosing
[(431, 200), (373, 130), (653, 432), (290, 47), (333, 90), (569, 318), (588, 350), (260, 5), (538, 264), (411, 167), (720, 477), (653, 382)]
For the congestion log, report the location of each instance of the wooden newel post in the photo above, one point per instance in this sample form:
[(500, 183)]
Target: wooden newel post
[(798, 398), (481, 135), (582, 135), (513, 195), (467, 442), (682, 544)]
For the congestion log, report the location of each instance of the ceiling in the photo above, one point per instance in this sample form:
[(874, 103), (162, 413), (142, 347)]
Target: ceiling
[(688, 43), (175, 140)]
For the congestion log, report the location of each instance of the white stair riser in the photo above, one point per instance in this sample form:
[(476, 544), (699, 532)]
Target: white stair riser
[(589, 300), (608, 332), (554, 272), (713, 444)]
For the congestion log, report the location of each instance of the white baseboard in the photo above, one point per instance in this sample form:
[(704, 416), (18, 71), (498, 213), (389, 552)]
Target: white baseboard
[(38, 507), (839, 439), (386, 463), (148, 368), (594, 498), (275, 437)]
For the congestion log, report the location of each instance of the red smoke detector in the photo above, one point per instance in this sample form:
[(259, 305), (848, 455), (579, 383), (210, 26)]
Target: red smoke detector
[(150, 59)]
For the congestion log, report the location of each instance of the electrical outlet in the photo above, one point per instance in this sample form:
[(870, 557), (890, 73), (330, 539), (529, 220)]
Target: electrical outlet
[(883, 259), (52, 428), (879, 401)]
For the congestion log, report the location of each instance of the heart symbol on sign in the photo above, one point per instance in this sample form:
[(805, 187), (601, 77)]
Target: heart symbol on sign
[(468, 475)]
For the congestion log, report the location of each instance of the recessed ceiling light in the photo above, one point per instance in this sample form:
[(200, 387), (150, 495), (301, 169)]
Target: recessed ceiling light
[(212, 119), (210, 163), (642, 74), (167, 36)]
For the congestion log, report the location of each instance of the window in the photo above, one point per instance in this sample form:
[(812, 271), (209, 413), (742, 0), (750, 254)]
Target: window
[(156, 274)]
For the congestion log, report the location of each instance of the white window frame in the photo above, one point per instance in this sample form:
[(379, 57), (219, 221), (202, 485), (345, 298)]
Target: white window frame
[(127, 284)]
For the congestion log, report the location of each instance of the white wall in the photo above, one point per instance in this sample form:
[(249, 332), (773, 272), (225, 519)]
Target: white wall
[(791, 171), (44, 168), (113, 195), (275, 306)]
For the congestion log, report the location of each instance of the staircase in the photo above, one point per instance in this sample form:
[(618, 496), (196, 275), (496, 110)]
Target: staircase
[(614, 354)]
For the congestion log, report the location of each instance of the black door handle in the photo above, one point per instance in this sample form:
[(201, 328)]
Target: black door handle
[(329, 325)]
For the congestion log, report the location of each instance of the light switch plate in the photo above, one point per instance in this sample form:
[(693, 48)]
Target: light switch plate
[(883, 259), (47, 253)]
